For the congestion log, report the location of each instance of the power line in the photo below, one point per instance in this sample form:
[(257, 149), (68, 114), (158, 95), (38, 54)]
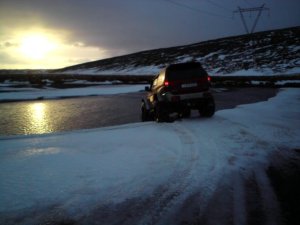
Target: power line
[(218, 5), (250, 4), (195, 9)]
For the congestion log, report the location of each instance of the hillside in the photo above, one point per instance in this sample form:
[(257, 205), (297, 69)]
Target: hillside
[(263, 53)]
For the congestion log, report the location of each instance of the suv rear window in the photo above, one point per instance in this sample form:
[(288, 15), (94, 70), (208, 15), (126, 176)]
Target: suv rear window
[(185, 71)]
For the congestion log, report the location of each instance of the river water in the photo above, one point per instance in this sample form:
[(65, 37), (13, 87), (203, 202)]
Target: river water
[(50, 116)]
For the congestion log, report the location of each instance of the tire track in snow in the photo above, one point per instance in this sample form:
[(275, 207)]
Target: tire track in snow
[(170, 192), (205, 175), (269, 200), (152, 209), (239, 201), (266, 199)]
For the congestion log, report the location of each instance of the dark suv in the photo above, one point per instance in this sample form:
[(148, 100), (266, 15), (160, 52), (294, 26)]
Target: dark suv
[(177, 89)]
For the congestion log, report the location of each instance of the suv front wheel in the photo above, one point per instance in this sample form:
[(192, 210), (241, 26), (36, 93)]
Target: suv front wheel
[(145, 116), (161, 114)]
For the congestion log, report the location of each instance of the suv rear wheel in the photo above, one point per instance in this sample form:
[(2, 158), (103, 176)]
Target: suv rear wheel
[(208, 108), (185, 112)]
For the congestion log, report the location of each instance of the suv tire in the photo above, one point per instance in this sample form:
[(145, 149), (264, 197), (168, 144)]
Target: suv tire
[(208, 109), (185, 113), (145, 116), (160, 113)]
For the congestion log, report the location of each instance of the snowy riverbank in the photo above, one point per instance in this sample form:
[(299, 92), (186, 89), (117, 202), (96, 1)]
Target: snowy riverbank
[(13, 94)]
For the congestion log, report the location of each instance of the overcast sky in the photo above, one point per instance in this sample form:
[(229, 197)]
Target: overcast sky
[(77, 31)]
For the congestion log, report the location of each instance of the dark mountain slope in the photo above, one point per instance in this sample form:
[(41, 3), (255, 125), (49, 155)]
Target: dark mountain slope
[(266, 53)]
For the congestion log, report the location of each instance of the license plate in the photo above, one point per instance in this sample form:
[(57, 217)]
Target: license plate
[(189, 85)]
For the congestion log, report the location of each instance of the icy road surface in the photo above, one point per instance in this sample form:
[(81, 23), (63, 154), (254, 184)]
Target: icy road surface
[(195, 171)]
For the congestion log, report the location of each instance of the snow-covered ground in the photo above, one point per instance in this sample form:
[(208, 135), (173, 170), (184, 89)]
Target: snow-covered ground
[(150, 173), (51, 93)]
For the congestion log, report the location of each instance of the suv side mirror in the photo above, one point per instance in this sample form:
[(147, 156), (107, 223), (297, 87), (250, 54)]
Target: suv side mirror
[(147, 88)]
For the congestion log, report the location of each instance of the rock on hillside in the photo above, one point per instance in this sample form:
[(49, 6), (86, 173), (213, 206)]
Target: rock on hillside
[(263, 53)]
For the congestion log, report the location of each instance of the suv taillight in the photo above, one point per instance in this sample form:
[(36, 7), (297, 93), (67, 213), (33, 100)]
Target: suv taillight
[(168, 83), (208, 78)]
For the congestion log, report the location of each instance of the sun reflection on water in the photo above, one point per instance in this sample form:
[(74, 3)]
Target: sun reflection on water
[(39, 121), (38, 110), (41, 151)]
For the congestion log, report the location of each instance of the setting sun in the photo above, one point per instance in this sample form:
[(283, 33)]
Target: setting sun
[(36, 46), (41, 48)]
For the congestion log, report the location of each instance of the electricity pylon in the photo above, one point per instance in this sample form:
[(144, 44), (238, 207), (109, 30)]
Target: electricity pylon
[(245, 10)]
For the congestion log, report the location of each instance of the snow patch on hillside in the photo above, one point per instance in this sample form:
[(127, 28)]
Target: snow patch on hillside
[(154, 70)]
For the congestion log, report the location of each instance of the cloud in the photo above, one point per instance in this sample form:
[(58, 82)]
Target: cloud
[(8, 61), (123, 26), (8, 44), (117, 27), (128, 25)]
